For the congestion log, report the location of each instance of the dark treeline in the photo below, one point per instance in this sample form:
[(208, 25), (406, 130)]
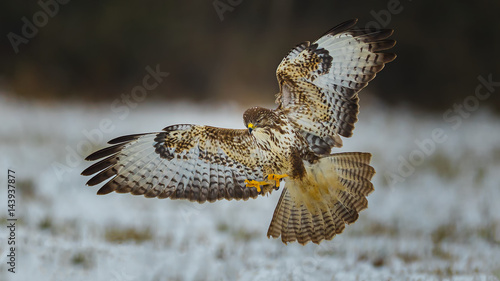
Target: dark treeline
[(229, 49)]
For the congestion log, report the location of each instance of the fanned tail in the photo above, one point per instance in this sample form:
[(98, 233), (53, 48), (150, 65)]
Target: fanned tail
[(335, 194)]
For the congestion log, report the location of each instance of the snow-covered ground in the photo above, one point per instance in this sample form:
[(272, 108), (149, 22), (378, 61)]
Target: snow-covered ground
[(434, 214)]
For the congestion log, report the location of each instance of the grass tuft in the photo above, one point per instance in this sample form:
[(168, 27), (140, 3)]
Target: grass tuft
[(46, 224), (443, 166), (244, 234), (120, 235), (26, 188), (408, 257), (222, 227), (82, 259)]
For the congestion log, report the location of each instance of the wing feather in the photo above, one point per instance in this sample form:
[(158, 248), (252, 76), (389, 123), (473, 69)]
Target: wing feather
[(319, 82), (198, 163)]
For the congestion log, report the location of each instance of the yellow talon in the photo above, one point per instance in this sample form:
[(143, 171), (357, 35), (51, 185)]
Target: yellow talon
[(276, 178), (255, 184), (270, 177)]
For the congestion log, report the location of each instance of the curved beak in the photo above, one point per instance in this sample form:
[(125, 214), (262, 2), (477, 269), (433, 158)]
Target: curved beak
[(250, 127)]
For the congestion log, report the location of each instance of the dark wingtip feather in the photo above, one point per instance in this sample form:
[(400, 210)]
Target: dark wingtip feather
[(101, 165), (87, 172), (105, 190), (94, 181), (382, 45), (341, 27), (126, 138), (102, 176), (382, 33), (105, 152), (370, 34), (388, 57)]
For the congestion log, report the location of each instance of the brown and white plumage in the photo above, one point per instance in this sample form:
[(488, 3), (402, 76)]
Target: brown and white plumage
[(319, 82), (197, 163), (318, 103)]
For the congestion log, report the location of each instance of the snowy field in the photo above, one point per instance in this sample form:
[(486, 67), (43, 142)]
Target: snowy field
[(434, 215)]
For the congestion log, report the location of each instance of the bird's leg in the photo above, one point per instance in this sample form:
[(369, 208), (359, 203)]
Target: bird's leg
[(276, 178), (256, 184), (263, 186)]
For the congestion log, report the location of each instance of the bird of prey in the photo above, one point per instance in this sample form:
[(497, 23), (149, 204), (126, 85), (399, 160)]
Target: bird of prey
[(317, 104)]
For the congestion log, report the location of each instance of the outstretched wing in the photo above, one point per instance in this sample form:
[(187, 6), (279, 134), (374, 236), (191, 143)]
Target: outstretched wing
[(197, 163), (319, 82)]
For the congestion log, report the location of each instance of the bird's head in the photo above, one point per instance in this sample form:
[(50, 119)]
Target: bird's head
[(257, 119)]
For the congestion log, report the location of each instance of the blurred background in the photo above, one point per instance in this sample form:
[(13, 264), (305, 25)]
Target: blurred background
[(218, 50), (68, 74)]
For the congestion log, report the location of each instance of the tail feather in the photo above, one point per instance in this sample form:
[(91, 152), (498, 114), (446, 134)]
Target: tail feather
[(305, 228), (339, 223), (352, 201), (319, 225), (329, 222), (347, 215), (359, 187), (290, 225), (339, 184), (281, 213)]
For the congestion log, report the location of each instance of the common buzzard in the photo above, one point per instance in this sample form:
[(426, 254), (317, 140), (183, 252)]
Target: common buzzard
[(317, 103)]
